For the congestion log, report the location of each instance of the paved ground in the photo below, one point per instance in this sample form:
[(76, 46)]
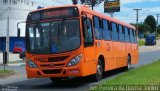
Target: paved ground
[(150, 48), (147, 55), (12, 57)]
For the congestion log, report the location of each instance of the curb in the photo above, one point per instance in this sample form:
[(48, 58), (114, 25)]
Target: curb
[(14, 64), (17, 64)]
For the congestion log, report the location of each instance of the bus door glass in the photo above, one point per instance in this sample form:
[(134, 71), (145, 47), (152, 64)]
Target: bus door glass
[(89, 49)]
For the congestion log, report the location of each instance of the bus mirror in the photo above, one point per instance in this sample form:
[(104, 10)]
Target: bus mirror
[(84, 15), (18, 32)]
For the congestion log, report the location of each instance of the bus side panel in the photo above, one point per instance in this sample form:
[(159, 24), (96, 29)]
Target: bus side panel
[(115, 46), (89, 65), (135, 54), (128, 49), (121, 62), (109, 62)]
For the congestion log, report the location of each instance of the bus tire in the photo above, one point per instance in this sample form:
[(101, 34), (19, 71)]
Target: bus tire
[(99, 71), (128, 62), (55, 80)]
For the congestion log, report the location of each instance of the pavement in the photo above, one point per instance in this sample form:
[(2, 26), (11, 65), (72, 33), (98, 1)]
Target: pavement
[(19, 76), (150, 48), (12, 57), (148, 54), (14, 60)]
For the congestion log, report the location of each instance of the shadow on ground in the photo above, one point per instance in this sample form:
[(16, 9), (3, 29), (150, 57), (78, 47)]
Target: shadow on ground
[(84, 82)]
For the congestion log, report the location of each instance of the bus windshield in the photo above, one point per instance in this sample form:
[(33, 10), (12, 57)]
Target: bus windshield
[(53, 37)]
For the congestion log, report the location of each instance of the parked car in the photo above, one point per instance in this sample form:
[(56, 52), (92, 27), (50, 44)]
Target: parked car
[(150, 39)]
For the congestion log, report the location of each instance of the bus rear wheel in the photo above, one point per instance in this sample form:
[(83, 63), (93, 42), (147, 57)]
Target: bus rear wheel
[(128, 63), (99, 71)]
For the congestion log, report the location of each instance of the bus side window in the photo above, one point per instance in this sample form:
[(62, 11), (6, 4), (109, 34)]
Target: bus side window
[(127, 39), (132, 35), (97, 28), (114, 32), (87, 32), (121, 33), (106, 31), (135, 36)]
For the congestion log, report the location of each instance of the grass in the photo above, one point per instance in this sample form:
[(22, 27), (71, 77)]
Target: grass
[(6, 73), (141, 42), (144, 75)]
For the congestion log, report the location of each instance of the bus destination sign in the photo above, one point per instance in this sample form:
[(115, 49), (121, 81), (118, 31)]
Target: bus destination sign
[(54, 13)]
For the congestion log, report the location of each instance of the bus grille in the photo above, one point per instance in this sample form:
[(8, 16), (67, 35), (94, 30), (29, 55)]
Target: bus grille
[(55, 71), (57, 59), (54, 65)]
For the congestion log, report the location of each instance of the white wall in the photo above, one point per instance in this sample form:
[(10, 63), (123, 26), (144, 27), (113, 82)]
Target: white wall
[(16, 12)]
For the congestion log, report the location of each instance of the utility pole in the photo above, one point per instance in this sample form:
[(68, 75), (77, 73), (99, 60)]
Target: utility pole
[(137, 17), (92, 4), (7, 39), (7, 34), (158, 15)]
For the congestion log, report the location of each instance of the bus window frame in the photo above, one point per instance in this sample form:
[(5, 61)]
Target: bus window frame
[(135, 37), (117, 40), (131, 35), (99, 28), (122, 32), (90, 20), (108, 23), (127, 34)]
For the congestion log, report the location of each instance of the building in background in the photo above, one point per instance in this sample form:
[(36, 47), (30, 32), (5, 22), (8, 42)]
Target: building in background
[(16, 10)]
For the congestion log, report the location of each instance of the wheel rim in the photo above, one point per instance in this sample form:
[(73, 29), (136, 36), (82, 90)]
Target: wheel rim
[(129, 63), (99, 71)]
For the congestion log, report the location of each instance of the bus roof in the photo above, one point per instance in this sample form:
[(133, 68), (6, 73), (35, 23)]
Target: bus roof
[(86, 9)]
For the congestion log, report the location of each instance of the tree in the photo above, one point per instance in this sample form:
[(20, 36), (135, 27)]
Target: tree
[(158, 29), (88, 2), (74, 1), (143, 28), (151, 21)]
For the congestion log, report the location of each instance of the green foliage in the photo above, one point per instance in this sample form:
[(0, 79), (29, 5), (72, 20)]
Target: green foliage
[(141, 42), (144, 75), (151, 21), (158, 31), (143, 28)]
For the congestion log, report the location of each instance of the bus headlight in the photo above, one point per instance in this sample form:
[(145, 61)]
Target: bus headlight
[(31, 64), (75, 60)]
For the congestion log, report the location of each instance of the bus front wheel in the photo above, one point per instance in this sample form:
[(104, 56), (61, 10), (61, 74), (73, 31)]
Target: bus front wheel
[(99, 71)]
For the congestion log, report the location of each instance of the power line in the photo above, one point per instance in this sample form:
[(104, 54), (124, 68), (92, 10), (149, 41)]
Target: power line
[(41, 3), (3, 12), (60, 2)]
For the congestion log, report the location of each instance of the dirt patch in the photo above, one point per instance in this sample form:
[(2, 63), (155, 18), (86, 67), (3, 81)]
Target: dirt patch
[(4, 75)]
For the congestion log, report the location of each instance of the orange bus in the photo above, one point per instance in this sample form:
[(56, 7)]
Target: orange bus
[(74, 41)]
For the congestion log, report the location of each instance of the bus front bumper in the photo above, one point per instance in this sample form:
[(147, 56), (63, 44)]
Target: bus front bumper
[(73, 71)]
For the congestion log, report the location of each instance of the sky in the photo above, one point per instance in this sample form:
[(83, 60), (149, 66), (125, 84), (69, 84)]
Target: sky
[(127, 14)]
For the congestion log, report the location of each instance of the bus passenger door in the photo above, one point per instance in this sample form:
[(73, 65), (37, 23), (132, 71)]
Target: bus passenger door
[(89, 48)]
